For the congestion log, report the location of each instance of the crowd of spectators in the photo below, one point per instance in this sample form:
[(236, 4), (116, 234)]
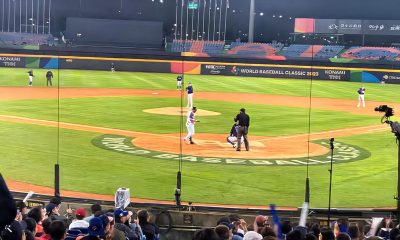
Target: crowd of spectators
[(47, 223), (235, 228), (17, 222)]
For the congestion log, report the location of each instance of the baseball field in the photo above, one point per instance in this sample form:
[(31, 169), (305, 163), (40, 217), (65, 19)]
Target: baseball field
[(125, 129)]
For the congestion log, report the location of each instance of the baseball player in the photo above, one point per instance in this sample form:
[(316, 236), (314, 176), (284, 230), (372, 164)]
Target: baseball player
[(191, 120), (361, 93), (112, 67), (179, 82), (232, 138), (189, 90), (30, 74), (49, 77)]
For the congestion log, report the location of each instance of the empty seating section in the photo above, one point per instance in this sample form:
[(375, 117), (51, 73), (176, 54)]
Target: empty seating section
[(26, 38), (258, 50), (328, 51), (181, 46), (372, 53), (295, 50), (212, 47)]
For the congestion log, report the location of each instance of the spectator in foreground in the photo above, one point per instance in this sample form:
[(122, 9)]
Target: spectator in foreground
[(267, 231), (79, 222), (343, 236), (121, 223), (58, 230), (315, 230), (294, 235), (205, 234), (68, 212), (22, 208), (150, 230), (327, 234), (311, 236), (8, 209), (94, 208), (46, 229), (13, 231), (286, 227), (354, 232), (223, 232), (95, 229), (37, 213), (252, 235), (393, 233)]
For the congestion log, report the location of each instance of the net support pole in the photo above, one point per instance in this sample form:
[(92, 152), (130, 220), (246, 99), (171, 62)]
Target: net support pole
[(251, 21), (49, 15), (176, 17)]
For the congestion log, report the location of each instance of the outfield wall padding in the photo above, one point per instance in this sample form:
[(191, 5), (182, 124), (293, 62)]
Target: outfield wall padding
[(205, 68)]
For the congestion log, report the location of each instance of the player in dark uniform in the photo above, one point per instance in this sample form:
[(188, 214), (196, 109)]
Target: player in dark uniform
[(49, 77), (30, 73), (232, 138), (179, 80)]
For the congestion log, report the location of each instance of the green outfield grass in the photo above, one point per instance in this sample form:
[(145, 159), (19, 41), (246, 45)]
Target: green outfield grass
[(127, 113), (31, 149), (85, 168), (106, 79)]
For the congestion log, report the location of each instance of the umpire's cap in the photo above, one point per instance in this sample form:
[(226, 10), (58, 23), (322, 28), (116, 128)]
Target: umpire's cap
[(243, 110)]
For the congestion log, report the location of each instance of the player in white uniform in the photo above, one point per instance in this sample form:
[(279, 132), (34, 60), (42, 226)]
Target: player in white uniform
[(191, 120), (189, 89), (361, 93)]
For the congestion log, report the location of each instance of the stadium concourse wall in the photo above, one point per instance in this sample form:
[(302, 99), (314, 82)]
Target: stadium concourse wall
[(284, 71)]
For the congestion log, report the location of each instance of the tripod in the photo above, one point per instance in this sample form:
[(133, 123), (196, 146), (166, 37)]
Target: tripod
[(396, 130)]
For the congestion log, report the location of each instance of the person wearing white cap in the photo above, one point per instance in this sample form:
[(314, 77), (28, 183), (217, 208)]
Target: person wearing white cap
[(251, 235)]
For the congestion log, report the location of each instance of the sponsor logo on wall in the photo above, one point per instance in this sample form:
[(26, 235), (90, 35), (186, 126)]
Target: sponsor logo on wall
[(12, 62), (215, 69), (277, 72)]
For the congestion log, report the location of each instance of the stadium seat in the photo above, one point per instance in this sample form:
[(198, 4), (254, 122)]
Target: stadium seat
[(372, 53), (257, 50), (15, 38)]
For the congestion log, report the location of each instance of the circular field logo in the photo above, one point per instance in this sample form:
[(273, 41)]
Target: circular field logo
[(343, 153)]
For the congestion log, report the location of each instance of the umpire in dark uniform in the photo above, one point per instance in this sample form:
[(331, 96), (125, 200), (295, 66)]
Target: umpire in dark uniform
[(243, 121)]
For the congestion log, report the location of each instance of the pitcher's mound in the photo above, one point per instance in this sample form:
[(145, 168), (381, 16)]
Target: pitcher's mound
[(178, 111)]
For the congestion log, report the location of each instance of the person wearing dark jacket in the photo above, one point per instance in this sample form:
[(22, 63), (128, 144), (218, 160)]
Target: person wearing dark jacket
[(8, 209), (150, 230), (121, 217), (243, 122)]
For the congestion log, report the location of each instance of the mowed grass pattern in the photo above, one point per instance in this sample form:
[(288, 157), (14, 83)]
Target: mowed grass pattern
[(159, 81), (28, 148)]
